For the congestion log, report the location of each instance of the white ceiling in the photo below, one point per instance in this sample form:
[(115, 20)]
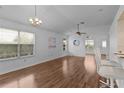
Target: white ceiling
[(60, 18)]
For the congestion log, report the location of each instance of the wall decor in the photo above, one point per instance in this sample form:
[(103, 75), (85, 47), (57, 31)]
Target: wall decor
[(52, 42), (76, 42)]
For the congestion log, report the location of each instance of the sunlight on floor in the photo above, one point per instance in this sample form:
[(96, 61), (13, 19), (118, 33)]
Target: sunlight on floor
[(89, 64), (65, 67), (27, 81)]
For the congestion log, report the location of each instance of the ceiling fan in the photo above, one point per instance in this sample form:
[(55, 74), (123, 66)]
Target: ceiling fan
[(78, 32)]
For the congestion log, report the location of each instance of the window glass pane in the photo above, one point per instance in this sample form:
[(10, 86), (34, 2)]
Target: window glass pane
[(26, 43), (104, 44), (89, 43), (8, 43)]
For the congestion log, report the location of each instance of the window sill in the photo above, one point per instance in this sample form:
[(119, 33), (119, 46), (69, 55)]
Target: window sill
[(15, 58), (26, 56)]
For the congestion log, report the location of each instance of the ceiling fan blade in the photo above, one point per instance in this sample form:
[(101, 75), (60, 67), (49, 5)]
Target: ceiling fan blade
[(82, 33), (79, 33)]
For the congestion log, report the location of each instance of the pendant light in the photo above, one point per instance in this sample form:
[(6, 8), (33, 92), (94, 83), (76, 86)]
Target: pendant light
[(35, 20)]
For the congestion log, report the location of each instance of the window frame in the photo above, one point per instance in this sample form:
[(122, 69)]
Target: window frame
[(18, 46)]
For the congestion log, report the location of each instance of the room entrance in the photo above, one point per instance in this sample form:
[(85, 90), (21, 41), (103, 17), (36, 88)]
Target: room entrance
[(89, 46)]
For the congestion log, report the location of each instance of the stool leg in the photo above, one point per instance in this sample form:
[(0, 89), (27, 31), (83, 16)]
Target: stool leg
[(107, 84), (107, 81), (111, 83)]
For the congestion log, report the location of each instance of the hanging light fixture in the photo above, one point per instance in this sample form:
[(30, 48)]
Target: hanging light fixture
[(35, 20), (78, 32)]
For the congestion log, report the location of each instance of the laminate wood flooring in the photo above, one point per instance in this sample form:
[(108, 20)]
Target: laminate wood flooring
[(65, 72)]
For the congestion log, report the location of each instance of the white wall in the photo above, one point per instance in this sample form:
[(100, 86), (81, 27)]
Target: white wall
[(113, 42), (42, 52), (120, 31), (113, 35), (98, 34)]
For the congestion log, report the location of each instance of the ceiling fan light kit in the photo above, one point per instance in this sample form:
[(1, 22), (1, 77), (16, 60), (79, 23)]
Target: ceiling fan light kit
[(35, 21)]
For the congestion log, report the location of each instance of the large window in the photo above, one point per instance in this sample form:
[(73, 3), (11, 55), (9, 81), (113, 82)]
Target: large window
[(8, 43), (14, 43), (26, 43)]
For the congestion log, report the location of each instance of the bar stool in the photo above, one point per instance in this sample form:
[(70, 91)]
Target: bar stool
[(105, 67), (112, 73)]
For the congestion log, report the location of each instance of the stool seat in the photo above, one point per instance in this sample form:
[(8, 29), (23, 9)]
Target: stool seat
[(111, 72), (110, 63)]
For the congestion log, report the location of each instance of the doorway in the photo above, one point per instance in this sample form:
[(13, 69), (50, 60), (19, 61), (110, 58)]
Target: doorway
[(89, 46)]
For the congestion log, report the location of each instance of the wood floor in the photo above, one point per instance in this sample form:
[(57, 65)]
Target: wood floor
[(66, 72)]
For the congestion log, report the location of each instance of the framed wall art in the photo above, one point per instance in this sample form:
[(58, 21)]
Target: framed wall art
[(52, 42)]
